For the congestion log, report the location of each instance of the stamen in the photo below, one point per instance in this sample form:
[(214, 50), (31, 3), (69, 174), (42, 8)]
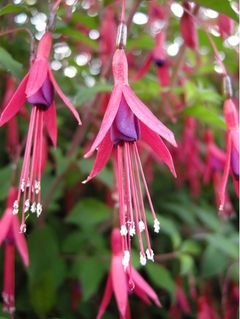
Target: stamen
[(156, 225), (143, 259), (150, 254), (141, 226), (126, 259), (15, 207), (27, 206), (37, 187), (23, 228), (123, 230), (39, 209), (33, 208), (132, 230), (23, 185)]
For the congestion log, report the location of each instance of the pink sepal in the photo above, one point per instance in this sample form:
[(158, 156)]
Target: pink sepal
[(119, 284), (145, 287), (20, 241), (51, 123), (16, 102), (146, 116), (63, 97), (103, 154), (144, 68), (108, 118), (37, 76), (106, 297), (158, 146)]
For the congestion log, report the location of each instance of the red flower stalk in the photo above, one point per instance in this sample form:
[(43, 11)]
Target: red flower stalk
[(232, 159), (125, 120), (9, 234), (37, 88), (188, 28), (118, 279)]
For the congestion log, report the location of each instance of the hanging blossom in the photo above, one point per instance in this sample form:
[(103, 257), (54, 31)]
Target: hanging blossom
[(232, 153), (9, 234), (118, 280), (37, 88), (125, 120)]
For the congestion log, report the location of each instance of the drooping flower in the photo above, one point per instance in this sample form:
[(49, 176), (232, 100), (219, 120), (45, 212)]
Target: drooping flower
[(37, 88), (9, 234), (232, 152), (225, 25), (125, 120), (188, 27), (119, 282)]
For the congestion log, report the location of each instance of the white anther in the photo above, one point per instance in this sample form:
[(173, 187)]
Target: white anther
[(37, 187), (33, 208), (23, 185), (39, 209), (143, 259), (126, 259), (15, 207), (123, 230), (27, 206), (132, 230), (150, 254), (141, 226), (156, 226), (23, 228)]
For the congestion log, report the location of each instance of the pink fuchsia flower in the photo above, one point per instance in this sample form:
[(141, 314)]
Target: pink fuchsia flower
[(9, 234), (125, 120), (188, 28), (37, 88), (215, 161), (205, 309), (225, 25), (232, 158), (119, 282)]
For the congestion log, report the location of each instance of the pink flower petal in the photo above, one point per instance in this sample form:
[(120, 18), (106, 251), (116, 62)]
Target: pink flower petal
[(37, 76), (119, 284), (5, 224), (146, 116), (158, 146), (16, 102), (103, 154), (51, 123), (142, 284), (63, 97), (20, 241), (108, 118), (106, 297)]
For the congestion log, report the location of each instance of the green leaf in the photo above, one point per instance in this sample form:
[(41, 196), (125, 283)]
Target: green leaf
[(88, 212), (191, 247), (11, 65), (10, 8), (204, 114), (213, 262), (221, 6), (42, 294), (43, 250), (161, 277), (186, 263)]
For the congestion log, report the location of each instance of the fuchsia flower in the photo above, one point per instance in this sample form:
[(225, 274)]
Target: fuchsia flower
[(188, 28), (37, 88), (232, 159), (125, 120), (215, 161), (226, 25), (9, 234), (118, 279)]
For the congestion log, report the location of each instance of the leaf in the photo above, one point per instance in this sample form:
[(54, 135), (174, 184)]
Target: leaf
[(11, 65), (200, 112), (191, 247), (88, 212), (42, 294), (221, 6), (161, 277), (10, 8), (186, 263), (213, 262)]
